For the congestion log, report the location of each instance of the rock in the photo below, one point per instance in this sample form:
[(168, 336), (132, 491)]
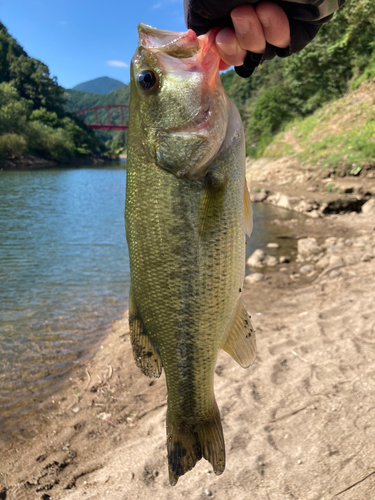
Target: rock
[(283, 269), (323, 262), (104, 416), (335, 262), (329, 242), (369, 207), (256, 258), (259, 195), (334, 273), (280, 200), (76, 409), (270, 261), (284, 260), (208, 493), (273, 245), (359, 243), (303, 206), (314, 214), (308, 246), (254, 278), (367, 257), (351, 259), (306, 269)]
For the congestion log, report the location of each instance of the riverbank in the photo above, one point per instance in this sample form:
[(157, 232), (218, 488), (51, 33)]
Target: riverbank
[(297, 424), (30, 162)]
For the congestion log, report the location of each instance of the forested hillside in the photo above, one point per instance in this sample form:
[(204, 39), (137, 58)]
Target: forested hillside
[(115, 140), (32, 115), (282, 90)]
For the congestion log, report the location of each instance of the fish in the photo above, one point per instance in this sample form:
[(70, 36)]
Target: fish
[(187, 213)]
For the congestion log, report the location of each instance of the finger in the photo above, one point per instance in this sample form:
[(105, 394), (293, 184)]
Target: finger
[(229, 49), (248, 29), (275, 23)]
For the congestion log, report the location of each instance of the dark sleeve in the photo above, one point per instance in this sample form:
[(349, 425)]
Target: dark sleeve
[(305, 19)]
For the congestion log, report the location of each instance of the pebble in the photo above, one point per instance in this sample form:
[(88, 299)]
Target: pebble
[(273, 245), (270, 261), (314, 214), (208, 493), (284, 260), (256, 258), (308, 246), (367, 257), (323, 262), (104, 416), (254, 278), (259, 195), (335, 261), (306, 269), (76, 409), (334, 273), (369, 207)]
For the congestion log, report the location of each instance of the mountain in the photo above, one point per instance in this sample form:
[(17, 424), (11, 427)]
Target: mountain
[(102, 85)]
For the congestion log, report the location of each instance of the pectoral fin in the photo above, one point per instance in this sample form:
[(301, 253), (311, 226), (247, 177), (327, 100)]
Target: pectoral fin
[(247, 209), (241, 343), (146, 355)]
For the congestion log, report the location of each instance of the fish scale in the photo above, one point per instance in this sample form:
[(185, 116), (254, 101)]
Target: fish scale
[(185, 227)]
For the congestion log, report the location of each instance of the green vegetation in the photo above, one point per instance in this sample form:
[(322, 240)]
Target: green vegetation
[(339, 136), (341, 57), (32, 115), (115, 141)]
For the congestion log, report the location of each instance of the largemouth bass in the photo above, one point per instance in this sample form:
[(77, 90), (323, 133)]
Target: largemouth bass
[(187, 212)]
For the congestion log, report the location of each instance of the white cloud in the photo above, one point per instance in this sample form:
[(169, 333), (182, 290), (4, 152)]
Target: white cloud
[(117, 64)]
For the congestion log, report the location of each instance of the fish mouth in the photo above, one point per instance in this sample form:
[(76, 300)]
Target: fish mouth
[(199, 122)]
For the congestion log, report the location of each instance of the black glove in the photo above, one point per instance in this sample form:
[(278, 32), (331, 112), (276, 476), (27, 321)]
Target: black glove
[(305, 18)]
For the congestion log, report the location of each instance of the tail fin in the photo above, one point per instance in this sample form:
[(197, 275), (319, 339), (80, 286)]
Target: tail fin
[(188, 443)]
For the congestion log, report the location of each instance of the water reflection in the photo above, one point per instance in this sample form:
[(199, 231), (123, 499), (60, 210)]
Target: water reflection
[(63, 275)]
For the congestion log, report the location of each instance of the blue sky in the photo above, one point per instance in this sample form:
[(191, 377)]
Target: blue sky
[(84, 39)]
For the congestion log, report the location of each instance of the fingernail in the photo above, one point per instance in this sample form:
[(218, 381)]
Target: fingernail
[(240, 24), (264, 19), (228, 48)]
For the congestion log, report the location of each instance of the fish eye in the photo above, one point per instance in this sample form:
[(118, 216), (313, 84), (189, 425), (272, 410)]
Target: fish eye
[(147, 79)]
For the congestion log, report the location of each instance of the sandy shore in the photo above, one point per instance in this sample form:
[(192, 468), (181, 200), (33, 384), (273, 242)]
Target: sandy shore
[(299, 424)]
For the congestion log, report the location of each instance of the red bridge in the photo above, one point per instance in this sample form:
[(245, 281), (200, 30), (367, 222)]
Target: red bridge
[(108, 125)]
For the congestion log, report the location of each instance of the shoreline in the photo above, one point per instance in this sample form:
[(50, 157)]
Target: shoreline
[(29, 162), (303, 409)]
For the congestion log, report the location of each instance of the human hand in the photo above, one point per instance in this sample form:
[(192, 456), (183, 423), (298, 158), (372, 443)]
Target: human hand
[(253, 27)]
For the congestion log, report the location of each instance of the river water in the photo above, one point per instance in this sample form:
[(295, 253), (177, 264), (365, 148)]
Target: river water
[(64, 274)]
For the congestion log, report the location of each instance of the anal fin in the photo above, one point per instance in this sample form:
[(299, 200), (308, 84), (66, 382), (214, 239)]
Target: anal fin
[(146, 355), (241, 343)]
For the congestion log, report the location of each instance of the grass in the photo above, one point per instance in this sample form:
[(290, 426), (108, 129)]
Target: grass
[(339, 135)]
